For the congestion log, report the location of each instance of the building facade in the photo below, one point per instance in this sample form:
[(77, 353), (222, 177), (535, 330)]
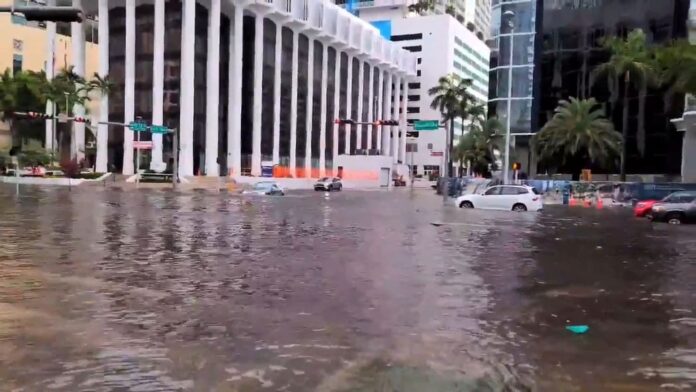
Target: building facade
[(687, 122), (36, 46), (443, 46), (572, 48), (246, 82)]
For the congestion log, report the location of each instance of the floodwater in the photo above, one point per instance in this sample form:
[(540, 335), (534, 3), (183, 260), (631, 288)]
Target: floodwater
[(109, 290)]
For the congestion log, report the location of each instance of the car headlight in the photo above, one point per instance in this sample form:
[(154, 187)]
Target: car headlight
[(658, 208)]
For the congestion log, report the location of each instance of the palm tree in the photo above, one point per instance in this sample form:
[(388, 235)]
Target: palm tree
[(452, 100), (422, 6), (102, 84), (578, 133), (22, 91), (676, 64), (631, 63), (66, 90)]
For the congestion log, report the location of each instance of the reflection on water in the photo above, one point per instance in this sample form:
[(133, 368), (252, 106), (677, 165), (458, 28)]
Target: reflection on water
[(106, 290)]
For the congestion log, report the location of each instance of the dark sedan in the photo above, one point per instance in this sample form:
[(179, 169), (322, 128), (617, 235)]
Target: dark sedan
[(677, 208)]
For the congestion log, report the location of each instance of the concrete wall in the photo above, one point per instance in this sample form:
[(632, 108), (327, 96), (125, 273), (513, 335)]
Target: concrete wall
[(364, 167), (689, 155)]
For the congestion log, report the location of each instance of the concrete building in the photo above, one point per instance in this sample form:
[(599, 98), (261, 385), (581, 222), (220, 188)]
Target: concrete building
[(443, 46), (687, 122), (246, 82), (35, 46)]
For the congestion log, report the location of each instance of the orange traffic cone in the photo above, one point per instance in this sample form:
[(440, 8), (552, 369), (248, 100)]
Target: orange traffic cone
[(572, 201), (587, 203), (600, 203)]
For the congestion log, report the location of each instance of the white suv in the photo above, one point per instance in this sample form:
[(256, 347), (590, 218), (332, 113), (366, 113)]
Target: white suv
[(504, 197)]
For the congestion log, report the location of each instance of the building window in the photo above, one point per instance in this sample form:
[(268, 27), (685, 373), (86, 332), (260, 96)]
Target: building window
[(19, 20), (414, 85), (406, 37), (414, 98), (16, 63), (413, 110), (418, 73), (430, 146), (420, 60), (414, 48), (411, 147)]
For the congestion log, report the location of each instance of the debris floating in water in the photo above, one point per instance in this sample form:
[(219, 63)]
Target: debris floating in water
[(578, 329)]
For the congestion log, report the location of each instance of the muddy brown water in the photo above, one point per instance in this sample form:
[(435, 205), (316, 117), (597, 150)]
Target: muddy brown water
[(108, 290)]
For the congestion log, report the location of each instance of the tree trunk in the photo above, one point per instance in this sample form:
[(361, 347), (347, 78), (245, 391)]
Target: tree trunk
[(641, 120), (451, 140), (624, 127)]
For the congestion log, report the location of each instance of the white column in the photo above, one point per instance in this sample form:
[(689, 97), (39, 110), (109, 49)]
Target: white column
[(50, 73), (310, 109), (370, 106), (349, 101), (212, 101), (188, 37), (102, 129), (157, 85), (293, 104), (78, 61), (386, 134), (395, 116), (322, 117), (337, 112), (361, 87), (258, 89), (276, 94), (380, 108), (234, 106), (129, 89), (402, 121)]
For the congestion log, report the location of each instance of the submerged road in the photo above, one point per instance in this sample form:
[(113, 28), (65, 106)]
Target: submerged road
[(108, 290)]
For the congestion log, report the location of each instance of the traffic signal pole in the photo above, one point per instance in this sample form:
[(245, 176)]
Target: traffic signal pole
[(46, 13)]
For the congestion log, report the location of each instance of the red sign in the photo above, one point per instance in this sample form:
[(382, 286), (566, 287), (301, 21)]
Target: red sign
[(436, 153), (142, 145)]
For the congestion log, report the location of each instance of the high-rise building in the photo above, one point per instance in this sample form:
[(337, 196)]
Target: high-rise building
[(443, 47), (571, 42), (687, 122), (243, 83)]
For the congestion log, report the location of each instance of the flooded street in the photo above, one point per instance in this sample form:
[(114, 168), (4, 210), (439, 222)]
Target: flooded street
[(108, 290)]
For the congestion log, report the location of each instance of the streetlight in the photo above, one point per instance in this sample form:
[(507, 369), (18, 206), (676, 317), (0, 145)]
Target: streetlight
[(510, 16)]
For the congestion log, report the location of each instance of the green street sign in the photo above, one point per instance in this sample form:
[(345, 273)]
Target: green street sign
[(137, 126), (429, 125), (159, 129)]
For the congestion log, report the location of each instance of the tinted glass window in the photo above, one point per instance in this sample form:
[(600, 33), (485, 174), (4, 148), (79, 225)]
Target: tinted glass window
[(493, 191), (511, 190)]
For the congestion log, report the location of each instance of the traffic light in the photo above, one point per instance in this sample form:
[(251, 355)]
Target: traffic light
[(516, 166), (50, 14), (78, 119), (411, 133), (38, 116), (389, 122), (344, 121)]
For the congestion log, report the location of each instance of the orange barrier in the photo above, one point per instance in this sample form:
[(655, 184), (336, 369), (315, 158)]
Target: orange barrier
[(301, 172), (600, 203), (572, 202), (587, 203)]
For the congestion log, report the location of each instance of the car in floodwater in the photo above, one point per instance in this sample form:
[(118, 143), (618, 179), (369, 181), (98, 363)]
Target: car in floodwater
[(328, 184), (504, 197), (267, 188), (675, 209)]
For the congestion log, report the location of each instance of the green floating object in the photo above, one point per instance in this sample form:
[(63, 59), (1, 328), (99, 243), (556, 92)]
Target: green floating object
[(578, 329)]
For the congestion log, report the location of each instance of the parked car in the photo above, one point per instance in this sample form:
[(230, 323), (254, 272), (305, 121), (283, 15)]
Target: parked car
[(675, 209), (503, 197), (328, 184), (644, 208), (269, 188)]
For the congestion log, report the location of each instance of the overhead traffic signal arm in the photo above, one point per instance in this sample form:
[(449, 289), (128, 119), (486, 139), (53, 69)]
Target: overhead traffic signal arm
[(46, 13), (376, 123)]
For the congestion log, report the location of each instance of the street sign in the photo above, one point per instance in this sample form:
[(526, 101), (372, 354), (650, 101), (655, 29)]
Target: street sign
[(159, 129), (429, 125), (142, 145), (137, 126), (436, 153)]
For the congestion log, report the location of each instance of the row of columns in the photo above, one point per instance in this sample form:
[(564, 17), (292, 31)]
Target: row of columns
[(390, 146)]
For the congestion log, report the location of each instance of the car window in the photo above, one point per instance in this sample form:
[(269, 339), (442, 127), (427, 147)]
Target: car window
[(324, 179), (336, 180), (493, 191), (262, 186), (512, 190)]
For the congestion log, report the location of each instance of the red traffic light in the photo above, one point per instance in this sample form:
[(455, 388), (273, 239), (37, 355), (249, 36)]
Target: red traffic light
[(36, 115), (80, 119), (389, 122), (344, 121), (377, 123)]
